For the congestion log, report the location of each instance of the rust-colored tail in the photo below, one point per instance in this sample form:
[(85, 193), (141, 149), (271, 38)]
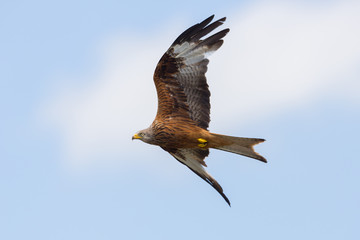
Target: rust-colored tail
[(238, 145)]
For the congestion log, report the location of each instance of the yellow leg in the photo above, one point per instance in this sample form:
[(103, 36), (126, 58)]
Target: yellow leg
[(202, 142)]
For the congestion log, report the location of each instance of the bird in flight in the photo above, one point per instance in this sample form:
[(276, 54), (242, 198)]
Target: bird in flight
[(183, 115)]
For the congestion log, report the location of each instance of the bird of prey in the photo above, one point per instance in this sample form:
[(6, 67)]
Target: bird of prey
[(183, 114)]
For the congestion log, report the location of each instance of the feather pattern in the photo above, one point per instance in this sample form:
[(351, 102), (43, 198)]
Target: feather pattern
[(180, 74)]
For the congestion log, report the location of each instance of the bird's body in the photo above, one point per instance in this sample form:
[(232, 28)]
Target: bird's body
[(172, 133), (183, 116)]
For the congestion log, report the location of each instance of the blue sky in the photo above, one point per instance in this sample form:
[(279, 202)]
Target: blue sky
[(76, 83)]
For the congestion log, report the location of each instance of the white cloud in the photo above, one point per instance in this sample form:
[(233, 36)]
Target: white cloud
[(280, 56), (276, 57)]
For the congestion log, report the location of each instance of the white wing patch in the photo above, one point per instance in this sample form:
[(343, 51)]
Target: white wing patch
[(191, 53), (180, 48), (191, 160)]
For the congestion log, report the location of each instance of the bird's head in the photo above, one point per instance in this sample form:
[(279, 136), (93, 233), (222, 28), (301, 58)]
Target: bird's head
[(145, 135)]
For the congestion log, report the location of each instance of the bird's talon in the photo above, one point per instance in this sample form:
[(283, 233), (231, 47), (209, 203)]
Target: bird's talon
[(202, 142)]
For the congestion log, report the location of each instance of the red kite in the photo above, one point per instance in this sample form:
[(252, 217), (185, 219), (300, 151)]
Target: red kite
[(183, 115)]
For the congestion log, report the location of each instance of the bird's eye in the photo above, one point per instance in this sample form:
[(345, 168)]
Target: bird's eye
[(142, 134)]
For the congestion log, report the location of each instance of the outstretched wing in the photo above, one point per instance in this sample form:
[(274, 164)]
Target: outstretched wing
[(194, 159), (180, 74)]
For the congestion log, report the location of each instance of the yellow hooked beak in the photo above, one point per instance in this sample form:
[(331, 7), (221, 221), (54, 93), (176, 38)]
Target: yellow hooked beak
[(136, 136)]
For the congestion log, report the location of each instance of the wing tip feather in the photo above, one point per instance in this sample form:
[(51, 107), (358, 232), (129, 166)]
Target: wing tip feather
[(199, 30)]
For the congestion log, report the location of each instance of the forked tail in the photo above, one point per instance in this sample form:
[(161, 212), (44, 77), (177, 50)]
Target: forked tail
[(238, 145)]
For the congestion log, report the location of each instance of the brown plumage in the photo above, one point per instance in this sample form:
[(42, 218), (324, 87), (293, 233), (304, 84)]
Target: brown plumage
[(183, 114)]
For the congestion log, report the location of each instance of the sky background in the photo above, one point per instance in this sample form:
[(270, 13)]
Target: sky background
[(76, 83)]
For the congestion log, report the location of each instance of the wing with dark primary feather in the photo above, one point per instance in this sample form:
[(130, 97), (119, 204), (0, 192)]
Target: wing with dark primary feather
[(180, 74), (194, 159)]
